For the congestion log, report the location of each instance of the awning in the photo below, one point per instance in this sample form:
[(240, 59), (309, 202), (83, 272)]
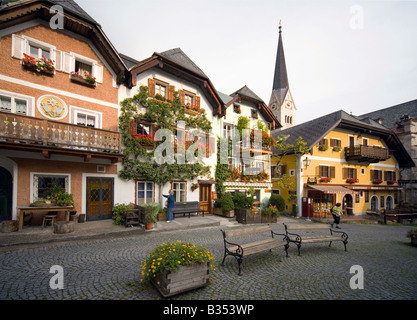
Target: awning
[(331, 189)]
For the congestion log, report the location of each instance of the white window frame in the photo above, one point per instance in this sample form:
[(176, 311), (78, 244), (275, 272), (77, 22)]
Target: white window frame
[(145, 190), (34, 176), (177, 192), (96, 70), (74, 111), (30, 102)]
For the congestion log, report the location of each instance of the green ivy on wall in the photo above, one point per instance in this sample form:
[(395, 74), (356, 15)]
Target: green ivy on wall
[(138, 162)]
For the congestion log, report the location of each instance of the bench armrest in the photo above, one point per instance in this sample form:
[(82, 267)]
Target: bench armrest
[(297, 237), (239, 249), (280, 234), (344, 235)]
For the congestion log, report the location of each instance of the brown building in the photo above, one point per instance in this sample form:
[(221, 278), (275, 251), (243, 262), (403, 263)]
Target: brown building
[(59, 107)]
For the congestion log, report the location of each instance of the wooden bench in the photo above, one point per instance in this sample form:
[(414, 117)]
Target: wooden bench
[(187, 207), (314, 237), (245, 249)]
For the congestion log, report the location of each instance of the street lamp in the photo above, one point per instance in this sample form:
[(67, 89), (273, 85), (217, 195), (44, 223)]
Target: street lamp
[(306, 162)]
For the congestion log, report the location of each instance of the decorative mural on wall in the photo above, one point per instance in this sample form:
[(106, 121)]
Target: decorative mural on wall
[(52, 107)]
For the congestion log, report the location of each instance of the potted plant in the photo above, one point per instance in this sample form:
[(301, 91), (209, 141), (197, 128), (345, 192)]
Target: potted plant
[(119, 212), (175, 267), (243, 208), (413, 235), (352, 180), (270, 214), (227, 205), (151, 214), (323, 147)]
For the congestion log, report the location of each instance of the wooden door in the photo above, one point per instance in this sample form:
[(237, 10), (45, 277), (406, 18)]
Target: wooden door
[(205, 198), (6, 190), (99, 198)]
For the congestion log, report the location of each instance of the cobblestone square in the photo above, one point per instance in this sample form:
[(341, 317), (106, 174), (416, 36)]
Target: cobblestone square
[(109, 268)]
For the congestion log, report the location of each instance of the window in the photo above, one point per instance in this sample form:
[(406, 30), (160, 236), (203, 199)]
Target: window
[(83, 67), (365, 141), (228, 131), (179, 191), (42, 182), (376, 174), (335, 143), (188, 99), (160, 89), (13, 105), (349, 173), (86, 120), (142, 128), (390, 175), (145, 191), (366, 196), (37, 52), (323, 142), (327, 171)]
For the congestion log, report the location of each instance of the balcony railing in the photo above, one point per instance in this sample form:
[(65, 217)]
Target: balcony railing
[(42, 133), (366, 154)]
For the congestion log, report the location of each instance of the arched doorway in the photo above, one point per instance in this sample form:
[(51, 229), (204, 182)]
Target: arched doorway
[(6, 194), (347, 205), (389, 205), (374, 203)]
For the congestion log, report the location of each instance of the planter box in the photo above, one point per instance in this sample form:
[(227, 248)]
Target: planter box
[(187, 278), (83, 81), (248, 216), (268, 218), (33, 68), (228, 214)]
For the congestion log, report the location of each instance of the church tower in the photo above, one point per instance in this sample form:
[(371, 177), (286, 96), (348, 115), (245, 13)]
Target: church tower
[(281, 102)]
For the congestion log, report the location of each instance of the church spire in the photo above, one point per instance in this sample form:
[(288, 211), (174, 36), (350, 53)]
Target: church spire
[(281, 102), (280, 75)]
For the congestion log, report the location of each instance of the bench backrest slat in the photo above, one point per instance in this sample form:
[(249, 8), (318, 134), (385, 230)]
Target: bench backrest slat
[(306, 226), (246, 231)]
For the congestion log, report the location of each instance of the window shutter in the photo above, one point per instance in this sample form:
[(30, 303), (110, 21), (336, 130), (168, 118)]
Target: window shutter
[(355, 173), (57, 56), (197, 101), (385, 175), (18, 46), (98, 72), (394, 175), (332, 172), (132, 126), (212, 145), (345, 173), (182, 96), (151, 87), (67, 62), (171, 90)]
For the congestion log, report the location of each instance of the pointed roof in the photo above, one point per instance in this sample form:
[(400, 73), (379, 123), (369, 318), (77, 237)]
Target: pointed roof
[(280, 75), (176, 62), (247, 94), (178, 56), (315, 130)]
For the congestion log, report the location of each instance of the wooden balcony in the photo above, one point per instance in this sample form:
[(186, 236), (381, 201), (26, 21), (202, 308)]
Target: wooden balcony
[(366, 154), (28, 133)]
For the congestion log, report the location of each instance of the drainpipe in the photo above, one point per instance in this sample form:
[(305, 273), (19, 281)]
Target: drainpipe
[(300, 185)]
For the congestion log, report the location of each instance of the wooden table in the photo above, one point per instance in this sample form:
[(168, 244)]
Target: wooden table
[(24, 209)]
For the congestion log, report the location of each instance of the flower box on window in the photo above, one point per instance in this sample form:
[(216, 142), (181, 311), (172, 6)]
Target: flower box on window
[(86, 79), (391, 182), (325, 179), (377, 181), (237, 109), (352, 180), (42, 65), (254, 114), (192, 109)]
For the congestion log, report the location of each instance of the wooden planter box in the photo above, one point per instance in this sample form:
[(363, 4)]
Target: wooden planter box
[(268, 218), (83, 81), (228, 214), (33, 68), (248, 216), (187, 278)]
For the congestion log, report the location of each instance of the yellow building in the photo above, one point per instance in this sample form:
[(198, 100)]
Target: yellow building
[(354, 161)]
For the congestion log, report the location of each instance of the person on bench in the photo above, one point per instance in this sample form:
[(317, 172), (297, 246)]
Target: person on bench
[(170, 205)]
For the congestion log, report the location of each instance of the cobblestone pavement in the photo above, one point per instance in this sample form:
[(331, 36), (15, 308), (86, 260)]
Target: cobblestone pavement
[(109, 268)]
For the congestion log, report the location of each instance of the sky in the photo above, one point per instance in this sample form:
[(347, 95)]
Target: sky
[(358, 56)]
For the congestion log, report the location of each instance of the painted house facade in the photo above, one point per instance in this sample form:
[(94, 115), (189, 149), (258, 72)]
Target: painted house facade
[(59, 107), (249, 165), (356, 162), (168, 76)]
